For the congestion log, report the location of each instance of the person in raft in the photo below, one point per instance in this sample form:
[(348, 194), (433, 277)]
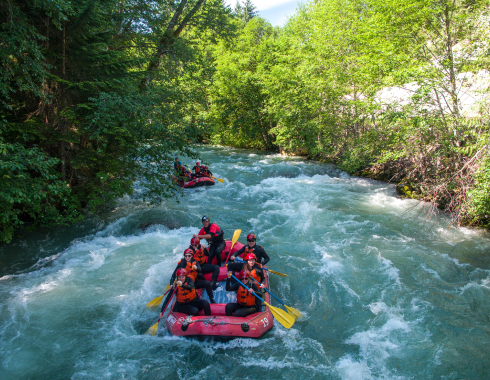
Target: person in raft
[(262, 257), (215, 237), (177, 164), (246, 303), (200, 255), (193, 270), (187, 300), (206, 171), (197, 169)]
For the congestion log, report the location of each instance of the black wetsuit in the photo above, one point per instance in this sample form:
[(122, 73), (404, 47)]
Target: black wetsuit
[(216, 243), (261, 257)]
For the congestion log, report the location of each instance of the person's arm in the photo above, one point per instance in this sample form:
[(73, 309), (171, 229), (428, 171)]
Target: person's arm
[(206, 251), (188, 284), (198, 267), (229, 286), (203, 235), (237, 253), (172, 279), (260, 273), (265, 256)]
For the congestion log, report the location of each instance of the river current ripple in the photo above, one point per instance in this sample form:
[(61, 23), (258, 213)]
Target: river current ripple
[(386, 291)]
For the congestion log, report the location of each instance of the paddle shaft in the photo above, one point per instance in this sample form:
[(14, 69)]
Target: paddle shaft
[(161, 314), (268, 291), (270, 270), (246, 287), (241, 261)]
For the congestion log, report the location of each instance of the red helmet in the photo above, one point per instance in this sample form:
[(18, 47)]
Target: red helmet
[(250, 256), (180, 272), (244, 274), (195, 241), (251, 236), (188, 250), (197, 163)]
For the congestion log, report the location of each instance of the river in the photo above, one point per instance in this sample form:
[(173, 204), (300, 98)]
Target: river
[(387, 291)]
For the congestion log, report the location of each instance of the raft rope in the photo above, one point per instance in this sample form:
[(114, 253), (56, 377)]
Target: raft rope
[(210, 320)]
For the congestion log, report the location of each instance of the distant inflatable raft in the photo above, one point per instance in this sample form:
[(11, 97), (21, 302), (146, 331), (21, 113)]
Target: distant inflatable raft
[(196, 182), (218, 324)]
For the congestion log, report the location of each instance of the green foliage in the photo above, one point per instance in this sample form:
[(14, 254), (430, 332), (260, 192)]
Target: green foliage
[(237, 94), (32, 191), (479, 196), (78, 125)]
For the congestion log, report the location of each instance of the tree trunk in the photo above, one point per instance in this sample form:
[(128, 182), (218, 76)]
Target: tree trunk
[(168, 39)]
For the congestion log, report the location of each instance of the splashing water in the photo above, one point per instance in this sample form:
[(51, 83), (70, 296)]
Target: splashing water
[(386, 292)]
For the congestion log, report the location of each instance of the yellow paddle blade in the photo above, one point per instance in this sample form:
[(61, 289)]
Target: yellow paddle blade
[(281, 316), (295, 313), (153, 329), (278, 273), (167, 287), (235, 237), (155, 302), (218, 179)]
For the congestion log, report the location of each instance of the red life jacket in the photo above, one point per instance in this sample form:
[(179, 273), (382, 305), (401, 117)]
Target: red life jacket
[(199, 255), (185, 295), (245, 298)]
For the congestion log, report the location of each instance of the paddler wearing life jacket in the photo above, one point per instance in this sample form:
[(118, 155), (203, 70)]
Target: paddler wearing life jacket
[(255, 269), (261, 256), (197, 169), (246, 303), (215, 237), (205, 170), (201, 255), (193, 270), (187, 300)]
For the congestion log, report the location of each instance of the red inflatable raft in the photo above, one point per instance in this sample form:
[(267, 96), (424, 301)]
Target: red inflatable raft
[(196, 182), (218, 324)]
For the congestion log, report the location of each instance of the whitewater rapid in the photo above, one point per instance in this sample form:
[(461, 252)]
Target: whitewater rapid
[(387, 291)]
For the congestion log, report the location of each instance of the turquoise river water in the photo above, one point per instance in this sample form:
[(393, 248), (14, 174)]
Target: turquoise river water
[(386, 291)]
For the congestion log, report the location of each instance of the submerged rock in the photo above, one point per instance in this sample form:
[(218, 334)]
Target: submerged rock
[(170, 224)]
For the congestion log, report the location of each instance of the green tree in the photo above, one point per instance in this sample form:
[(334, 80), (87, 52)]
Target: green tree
[(245, 11), (99, 91), (238, 110)]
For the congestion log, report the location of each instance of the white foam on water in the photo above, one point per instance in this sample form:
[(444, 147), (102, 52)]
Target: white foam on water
[(453, 260), (378, 307), (389, 269), (330, 264), (350, 369), (376, 345), (430, 271)]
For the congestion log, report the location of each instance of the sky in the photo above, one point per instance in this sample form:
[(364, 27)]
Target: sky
[(275, 11)]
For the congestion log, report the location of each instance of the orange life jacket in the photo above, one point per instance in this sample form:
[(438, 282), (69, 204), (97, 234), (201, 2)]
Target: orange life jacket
[(245, 298), (199, 255), (198, 169), (185, 295), (247, 251), (255, 276), (189, 271)]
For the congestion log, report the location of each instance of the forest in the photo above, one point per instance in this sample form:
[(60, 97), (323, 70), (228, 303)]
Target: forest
[(98, 94)]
